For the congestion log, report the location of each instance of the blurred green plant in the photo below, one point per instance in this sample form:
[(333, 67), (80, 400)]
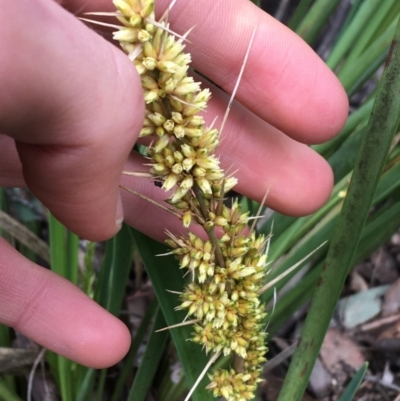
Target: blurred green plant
[(353, 386)]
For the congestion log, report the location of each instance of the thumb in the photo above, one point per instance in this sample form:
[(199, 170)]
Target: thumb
[(74, 105)]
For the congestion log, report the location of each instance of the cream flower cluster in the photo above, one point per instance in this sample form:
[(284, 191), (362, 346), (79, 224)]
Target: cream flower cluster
[(226, 270)]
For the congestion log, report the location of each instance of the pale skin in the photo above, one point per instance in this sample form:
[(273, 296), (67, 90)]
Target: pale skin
[(71, 108)]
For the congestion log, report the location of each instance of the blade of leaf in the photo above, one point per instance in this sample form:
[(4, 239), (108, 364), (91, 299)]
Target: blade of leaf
[(352, 32), (354, 384), (150, 361), (165, 275), (6, 394), (128, 361), (315, 19), (62, 257), (372, 156), (299, 14), (114, 271)]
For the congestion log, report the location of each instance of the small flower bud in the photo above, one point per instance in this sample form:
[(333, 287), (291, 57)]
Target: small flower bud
[(170, 181), (150, 63), (168, 66), (169, 161), (187, 182), (172, 51), (123, 7), (146, 131), (177, 117), (151, 96), (126, 35), (157, 118), (199, 172), (185, 87), (161, 143), (208, 163), (220, 221), (170, 85), (187, 164), (150, 28), (135, 20), (178, 156), (208, 225), (147, 8), (179, 131), (195, 121), (188, 151), (177, 168), (169, 125), (193, 132), (148, 49), (149, 83), (187, 218)]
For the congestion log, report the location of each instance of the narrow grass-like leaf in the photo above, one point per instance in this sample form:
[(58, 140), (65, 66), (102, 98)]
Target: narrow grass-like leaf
[(372, 156), (342, 161), (61, 257), (352, 32), (6, 394), (380, 227), (299, 14), (150, 361), (113, 275), (386, 8), (5, 340), (85, 391), (114, 271), (316, 18), (369, 61), (355, 6), (165, 275), (137, 341), (354, 384), (101, 382)]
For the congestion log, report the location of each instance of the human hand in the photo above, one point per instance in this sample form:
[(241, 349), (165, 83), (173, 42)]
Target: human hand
[(73, 105)]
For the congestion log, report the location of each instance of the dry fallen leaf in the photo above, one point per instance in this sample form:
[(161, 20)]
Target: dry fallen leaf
[(391, 303), (339, 349)]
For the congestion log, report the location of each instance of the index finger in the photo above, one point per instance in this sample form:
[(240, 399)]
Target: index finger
[(284, 82)]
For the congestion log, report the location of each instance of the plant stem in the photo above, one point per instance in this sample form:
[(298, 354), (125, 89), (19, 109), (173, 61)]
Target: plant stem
[(210, 231)]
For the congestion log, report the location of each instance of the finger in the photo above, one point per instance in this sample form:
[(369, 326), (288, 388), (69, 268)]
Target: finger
[(284, 83), (255, 178), (74, 105), (297, 179), (10, 166), (56, 314)]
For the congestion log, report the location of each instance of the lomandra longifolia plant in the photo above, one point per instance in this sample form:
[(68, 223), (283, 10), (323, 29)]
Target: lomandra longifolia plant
[(227, 266)]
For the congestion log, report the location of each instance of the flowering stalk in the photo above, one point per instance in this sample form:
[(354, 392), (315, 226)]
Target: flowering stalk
[(226, 271)]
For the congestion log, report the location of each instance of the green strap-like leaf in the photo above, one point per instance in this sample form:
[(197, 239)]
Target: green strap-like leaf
[(136, 342), (371, 159), (150, 361), (165, 275), (355, 383), (114, 271)]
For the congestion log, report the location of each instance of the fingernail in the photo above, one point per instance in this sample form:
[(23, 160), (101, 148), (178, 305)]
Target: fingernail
[(120, 213)]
